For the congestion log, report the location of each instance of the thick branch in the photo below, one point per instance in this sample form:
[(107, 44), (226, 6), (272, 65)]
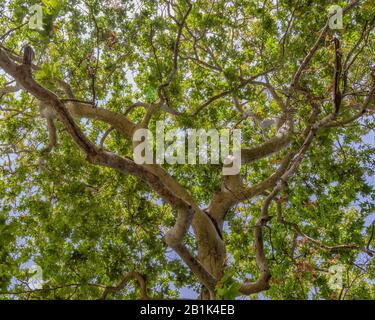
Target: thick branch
[(265, 275), (52, 135), (22, 74), (273, 145)]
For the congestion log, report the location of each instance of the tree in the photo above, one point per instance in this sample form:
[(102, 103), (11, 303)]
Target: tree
[(295, 223)]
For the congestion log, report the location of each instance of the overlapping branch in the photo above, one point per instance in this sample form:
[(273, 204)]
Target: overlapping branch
[(134, 275), (335, 248), (159, 180)]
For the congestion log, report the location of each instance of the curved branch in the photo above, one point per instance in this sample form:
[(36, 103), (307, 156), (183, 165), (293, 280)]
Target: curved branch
[(362, 111), (175, 51), (273, 145), (316, 45), (22, 74), (52, 135), (134, 275), (225, 93), (11, 89), (297, 230), (265, 275)]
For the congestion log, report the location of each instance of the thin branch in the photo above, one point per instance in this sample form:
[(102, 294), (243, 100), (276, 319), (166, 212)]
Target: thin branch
[(52, 136), (176, 50), (317, 243), (127, 278), (5, 35), (316, 45), (225, 93), (47, 289), (363, 110), (337, 97), (105, 135)]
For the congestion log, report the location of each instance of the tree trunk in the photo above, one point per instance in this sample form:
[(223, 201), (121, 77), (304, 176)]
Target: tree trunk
[(211, 254)]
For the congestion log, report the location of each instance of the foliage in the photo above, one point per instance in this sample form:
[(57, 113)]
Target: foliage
[(86, 225)]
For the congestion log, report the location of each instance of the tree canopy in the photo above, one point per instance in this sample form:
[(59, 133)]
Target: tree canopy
[(80, 214)]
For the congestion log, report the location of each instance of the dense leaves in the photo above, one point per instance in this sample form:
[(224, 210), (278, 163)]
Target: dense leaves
[(85, 226)]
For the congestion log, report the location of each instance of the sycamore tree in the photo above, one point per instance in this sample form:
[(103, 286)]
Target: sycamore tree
[(80, 219)]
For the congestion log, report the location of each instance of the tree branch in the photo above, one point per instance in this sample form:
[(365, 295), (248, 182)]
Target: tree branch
[(134, 275), (317, 243)]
